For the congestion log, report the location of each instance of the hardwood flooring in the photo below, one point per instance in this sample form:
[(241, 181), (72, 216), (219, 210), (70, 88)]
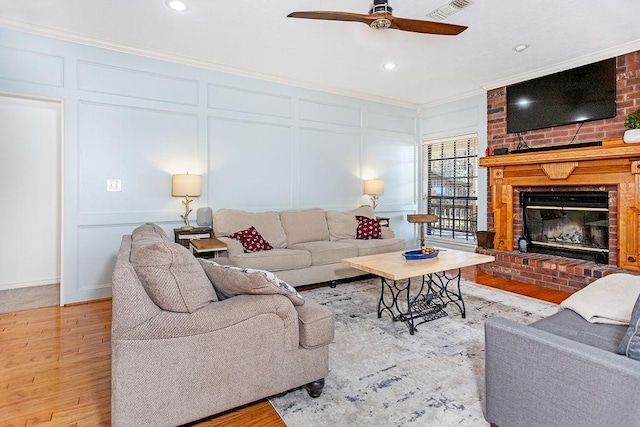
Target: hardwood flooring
[(55, 365)]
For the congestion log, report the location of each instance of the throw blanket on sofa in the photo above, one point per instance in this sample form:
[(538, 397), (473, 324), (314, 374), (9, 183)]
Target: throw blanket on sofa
[(609, 299)]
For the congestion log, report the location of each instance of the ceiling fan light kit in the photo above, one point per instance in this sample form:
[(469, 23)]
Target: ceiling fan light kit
[(380, 6), (380, 17), (380, 24)]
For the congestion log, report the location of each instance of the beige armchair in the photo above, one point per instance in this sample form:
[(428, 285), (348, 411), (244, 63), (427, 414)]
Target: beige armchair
[(191, 359)]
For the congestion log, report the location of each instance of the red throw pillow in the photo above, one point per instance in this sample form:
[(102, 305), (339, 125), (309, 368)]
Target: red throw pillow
[(252, 240), (368, 228)]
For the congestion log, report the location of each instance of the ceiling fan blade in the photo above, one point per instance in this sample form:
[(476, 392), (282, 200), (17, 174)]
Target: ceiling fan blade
[(403, 24), (334, 16), (425, 27)]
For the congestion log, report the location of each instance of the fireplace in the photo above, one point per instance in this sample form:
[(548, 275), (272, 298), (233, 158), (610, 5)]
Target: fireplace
[(568, 224), (613, 166)]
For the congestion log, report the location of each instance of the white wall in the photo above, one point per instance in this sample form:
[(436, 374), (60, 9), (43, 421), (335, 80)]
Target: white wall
[(462, 117), (30, 176), (259, 145)]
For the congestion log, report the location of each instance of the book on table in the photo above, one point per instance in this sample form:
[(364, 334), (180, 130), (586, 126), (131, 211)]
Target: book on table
[(207, 245)]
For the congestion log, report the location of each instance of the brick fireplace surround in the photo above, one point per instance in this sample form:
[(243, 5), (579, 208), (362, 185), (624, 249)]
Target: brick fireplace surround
[(614, 167)]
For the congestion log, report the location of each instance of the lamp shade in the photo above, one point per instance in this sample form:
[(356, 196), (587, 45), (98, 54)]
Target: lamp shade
[(186, 185), (374, 187)]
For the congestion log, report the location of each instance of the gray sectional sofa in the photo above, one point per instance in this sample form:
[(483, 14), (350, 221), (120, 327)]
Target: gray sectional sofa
[(183, 350), (562, 371), (308, 244)]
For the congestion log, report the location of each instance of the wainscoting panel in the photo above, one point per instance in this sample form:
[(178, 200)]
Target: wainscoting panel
[(452, 122), (329, 168), (250, 165), (133, 83), (141, 147), (391, 122), (31, 67), (260, 145), (394, 160), (248, 101), (98, 257), (314, 111)]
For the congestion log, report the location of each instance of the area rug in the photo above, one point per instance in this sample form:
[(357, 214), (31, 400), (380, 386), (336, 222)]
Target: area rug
[(380, 375)]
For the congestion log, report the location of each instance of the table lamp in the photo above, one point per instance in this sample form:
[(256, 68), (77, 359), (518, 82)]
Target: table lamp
[(374, 188), (185, 185)]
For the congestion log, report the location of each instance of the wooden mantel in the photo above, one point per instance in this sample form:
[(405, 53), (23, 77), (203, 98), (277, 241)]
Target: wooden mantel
[(614, 163)]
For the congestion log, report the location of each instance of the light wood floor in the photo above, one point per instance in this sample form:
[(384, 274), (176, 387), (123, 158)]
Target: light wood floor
[(55, 364)]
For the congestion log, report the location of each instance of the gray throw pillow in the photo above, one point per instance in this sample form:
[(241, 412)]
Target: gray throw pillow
[(630, 344), (229, 281)]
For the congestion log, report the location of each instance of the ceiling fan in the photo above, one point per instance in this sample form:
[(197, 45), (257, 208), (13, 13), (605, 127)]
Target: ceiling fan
[(380, 17)]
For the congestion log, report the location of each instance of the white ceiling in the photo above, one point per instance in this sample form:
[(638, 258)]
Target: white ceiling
[(255, 38)]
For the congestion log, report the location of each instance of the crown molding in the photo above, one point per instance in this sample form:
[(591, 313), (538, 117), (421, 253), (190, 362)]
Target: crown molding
[(450, 99), (619, 50), (194, 62), (566, 65)]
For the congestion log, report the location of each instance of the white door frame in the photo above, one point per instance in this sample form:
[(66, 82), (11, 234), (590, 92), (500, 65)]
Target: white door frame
[(58, 105)]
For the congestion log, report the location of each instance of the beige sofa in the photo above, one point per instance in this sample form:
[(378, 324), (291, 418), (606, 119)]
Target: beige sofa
[(308, 244), (180, 352)]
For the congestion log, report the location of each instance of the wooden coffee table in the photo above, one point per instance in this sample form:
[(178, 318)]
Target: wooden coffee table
[(438, 277)]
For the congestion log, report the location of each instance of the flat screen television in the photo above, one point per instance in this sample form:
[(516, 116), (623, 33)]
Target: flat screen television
[(577, 95)]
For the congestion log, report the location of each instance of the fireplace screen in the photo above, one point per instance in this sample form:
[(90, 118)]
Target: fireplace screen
[(574, 225)]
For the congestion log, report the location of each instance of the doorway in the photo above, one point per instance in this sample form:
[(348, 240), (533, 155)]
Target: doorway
[(31, 188)]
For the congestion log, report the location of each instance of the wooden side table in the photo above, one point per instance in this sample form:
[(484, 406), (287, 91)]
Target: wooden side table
[(210, 247), (183, 237), (422, 219)]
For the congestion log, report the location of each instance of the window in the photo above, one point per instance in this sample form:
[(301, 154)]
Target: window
[(449, 187)]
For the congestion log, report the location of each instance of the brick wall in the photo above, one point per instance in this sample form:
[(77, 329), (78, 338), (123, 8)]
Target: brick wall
[(628, 100), (545, 270), (565, 274)]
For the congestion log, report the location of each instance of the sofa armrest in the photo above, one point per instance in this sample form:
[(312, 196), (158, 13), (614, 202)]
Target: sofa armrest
[(316, 324), (271, 310), (387, 233), (234, 247), (536, 378)]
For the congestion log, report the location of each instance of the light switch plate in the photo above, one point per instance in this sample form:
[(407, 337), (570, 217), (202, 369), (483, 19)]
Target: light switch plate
[(114, 185)]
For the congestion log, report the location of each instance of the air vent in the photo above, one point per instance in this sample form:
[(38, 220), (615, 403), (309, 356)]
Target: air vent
[(445, 11)]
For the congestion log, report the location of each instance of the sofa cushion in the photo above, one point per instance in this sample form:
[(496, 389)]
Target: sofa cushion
[(274, 260), (252, 240), (306, 225), (228, 221), (172, 276), (630, 343), (343, 225), (316, 325), (368, 228), (325, 252), (230, 281), (377, 246), (569, 324)]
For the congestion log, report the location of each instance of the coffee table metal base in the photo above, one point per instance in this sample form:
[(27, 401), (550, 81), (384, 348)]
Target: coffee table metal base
[(425, 305)]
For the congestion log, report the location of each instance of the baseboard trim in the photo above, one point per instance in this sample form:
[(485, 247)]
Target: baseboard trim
[(29, 284)]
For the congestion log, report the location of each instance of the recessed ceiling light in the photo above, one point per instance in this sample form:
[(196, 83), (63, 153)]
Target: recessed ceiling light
[(177, 5), (389, 66), (520, 47)]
